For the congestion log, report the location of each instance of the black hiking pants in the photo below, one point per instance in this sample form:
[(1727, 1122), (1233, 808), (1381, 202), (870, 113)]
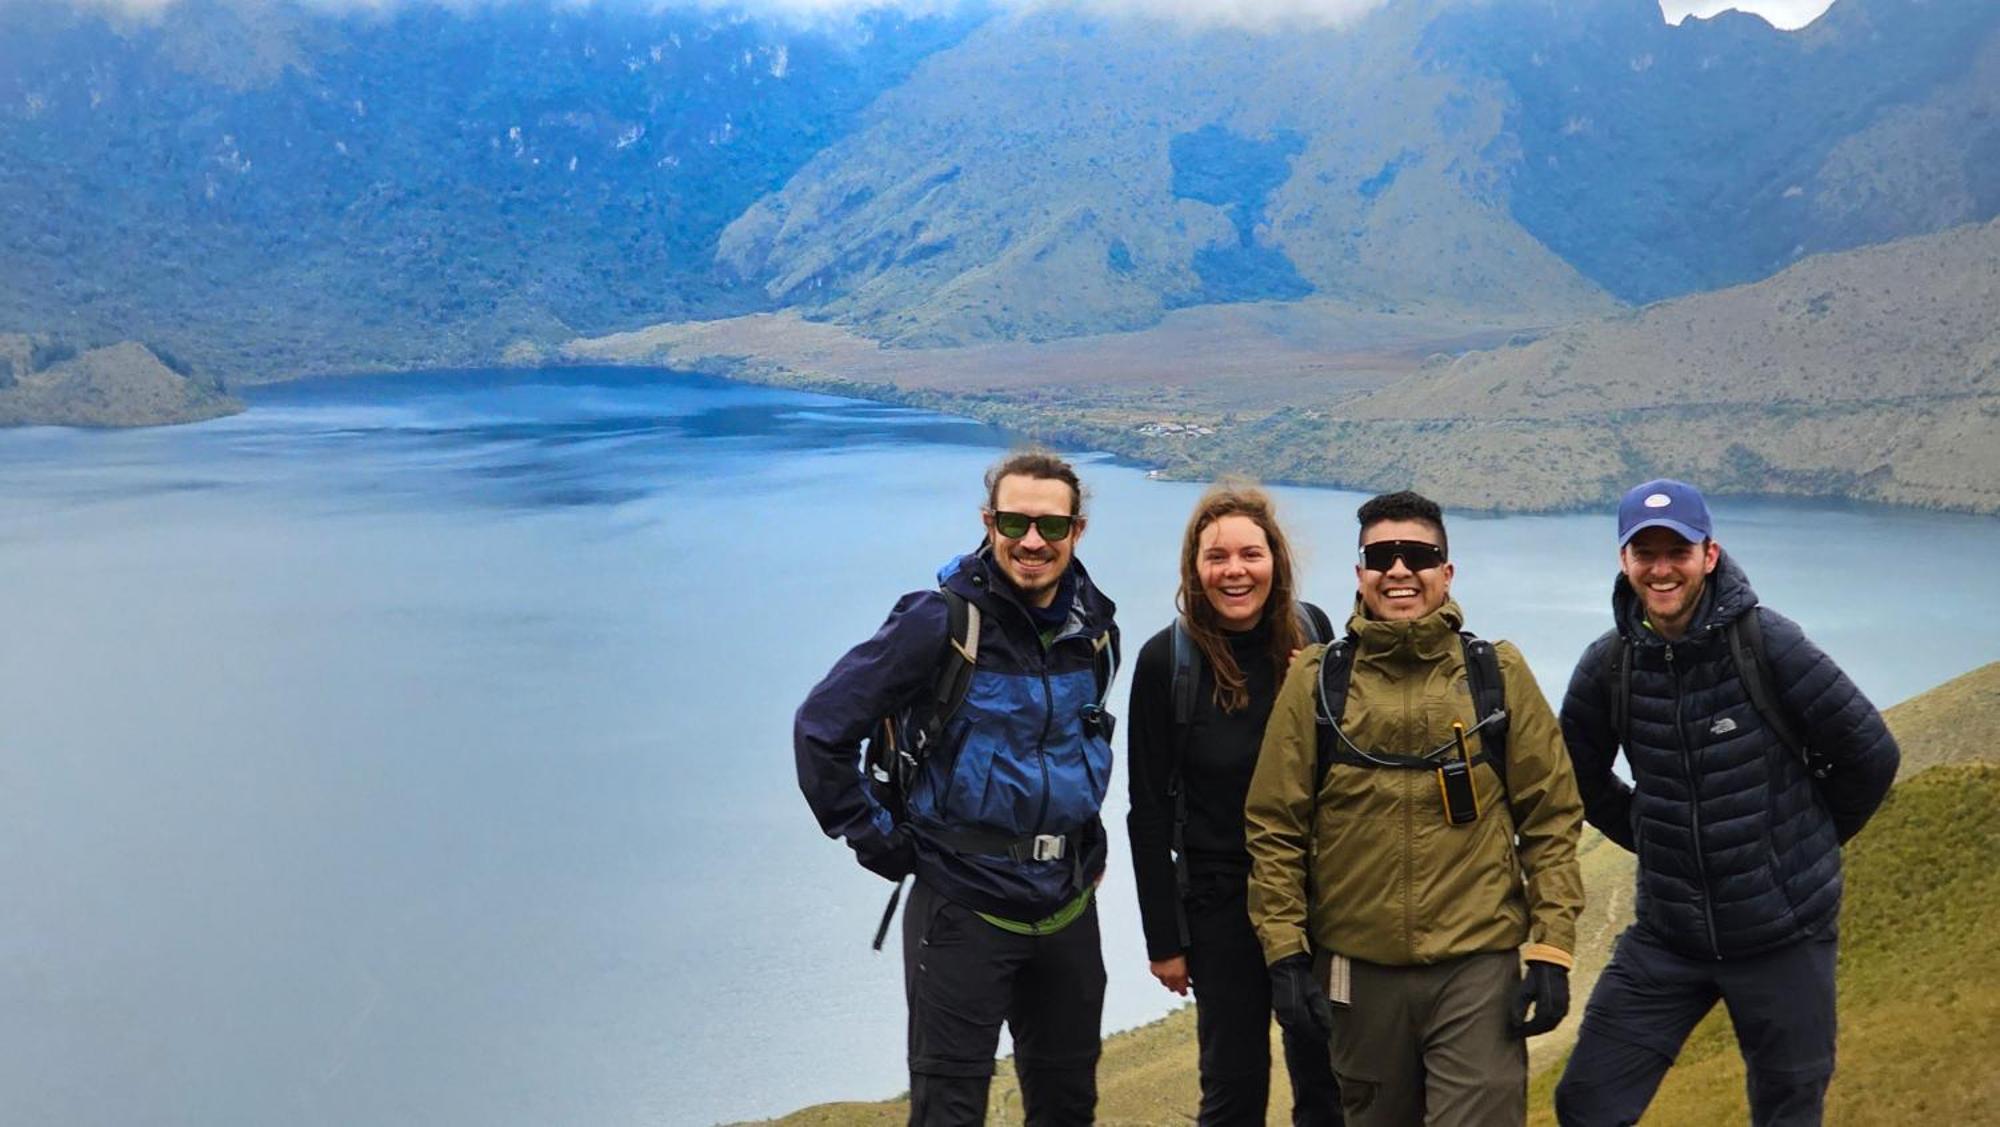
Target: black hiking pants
[(963, 978), (1232, 993), (1650, 998)]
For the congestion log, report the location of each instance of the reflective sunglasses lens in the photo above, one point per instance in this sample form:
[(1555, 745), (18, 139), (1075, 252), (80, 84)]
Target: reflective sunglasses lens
[(1417, 555), (1011, 525)]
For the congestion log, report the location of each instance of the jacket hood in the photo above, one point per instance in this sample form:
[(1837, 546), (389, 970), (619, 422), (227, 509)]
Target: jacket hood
[(1726, 597), (1429, 636)]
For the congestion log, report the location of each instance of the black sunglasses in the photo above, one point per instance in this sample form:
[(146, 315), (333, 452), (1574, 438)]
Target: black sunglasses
[(1416, 555), (1013, 526)]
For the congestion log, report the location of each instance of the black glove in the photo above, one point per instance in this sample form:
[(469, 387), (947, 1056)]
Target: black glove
[(1301, 1004), (1546, 985), (895, 859)]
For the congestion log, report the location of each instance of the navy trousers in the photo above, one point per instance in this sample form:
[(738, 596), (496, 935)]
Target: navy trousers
[(1650, 998), (964, 977)]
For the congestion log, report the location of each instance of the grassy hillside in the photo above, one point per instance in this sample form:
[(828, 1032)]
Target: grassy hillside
[(46, 381), (1919, 1008), (1919, 1011)]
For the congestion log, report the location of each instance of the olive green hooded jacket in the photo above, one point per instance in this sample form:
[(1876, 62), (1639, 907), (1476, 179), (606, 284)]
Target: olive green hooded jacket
[(1391, 881)]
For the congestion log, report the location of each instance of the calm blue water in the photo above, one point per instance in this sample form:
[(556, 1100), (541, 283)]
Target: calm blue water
[(416, 749)]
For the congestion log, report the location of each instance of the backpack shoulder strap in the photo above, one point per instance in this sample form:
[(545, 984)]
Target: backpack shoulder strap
[(1314, 625), (1489, 698), (1618, 672), (1753, 667), (1186, 681), (1104, 662), (1187, 672), (1336, 669), (954, 674)]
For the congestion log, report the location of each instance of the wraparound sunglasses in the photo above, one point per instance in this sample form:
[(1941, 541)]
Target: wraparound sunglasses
[(1416, 555)]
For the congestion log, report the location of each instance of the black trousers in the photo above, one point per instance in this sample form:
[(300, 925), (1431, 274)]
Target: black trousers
[(1232, 993), (963, 978), (1650, 998)]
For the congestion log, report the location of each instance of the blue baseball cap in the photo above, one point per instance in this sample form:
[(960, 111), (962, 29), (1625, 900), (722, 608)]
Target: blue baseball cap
[(1663, 503)]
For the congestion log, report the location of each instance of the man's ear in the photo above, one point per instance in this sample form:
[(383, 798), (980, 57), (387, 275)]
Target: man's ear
[(1710, 556), (1076, 527)]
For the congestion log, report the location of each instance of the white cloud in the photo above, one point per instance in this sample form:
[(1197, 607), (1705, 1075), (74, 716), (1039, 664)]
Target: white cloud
[(1787, 14)]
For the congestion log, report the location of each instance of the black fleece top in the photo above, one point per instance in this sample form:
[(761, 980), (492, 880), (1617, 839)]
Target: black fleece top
[(1221, 752)]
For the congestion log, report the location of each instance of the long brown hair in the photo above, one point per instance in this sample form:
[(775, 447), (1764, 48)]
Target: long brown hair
[(1238, 497)]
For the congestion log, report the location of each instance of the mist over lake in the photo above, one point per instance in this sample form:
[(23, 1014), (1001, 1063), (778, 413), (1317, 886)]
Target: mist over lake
[(416, 749)]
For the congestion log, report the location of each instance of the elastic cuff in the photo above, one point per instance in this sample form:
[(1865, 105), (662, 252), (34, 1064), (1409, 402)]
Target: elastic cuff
[(1543, 953)]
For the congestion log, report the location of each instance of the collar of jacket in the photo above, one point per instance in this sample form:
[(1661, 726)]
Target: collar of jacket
[(1725, 597), (975, 576), (1429, 638)]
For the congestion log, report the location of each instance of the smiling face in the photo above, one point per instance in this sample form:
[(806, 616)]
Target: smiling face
[(1233, 561), (1667, 571), (1400, 594), (1032, 564)]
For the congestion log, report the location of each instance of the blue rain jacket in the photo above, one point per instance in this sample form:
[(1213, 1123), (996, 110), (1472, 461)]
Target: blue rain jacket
[(1016, 759)]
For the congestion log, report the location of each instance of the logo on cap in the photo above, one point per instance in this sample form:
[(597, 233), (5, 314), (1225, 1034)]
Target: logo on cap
[(1659, 501)]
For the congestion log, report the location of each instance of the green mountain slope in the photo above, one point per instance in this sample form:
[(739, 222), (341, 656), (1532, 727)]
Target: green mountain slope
[(1919, 1008), (1055, 175)]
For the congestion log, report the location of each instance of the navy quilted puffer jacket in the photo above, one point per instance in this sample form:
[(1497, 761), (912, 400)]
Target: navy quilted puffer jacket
[(1739, 848)]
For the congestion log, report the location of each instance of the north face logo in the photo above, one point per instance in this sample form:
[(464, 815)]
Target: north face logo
[(1722, 727)]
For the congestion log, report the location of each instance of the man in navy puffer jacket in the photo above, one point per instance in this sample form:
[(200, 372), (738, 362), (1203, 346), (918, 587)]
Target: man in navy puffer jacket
[(1739, 844), (1002, 829)]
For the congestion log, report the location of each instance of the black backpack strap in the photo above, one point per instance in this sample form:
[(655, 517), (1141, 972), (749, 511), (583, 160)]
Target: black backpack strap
[(1618, 671), (1753, 668), (1314, 626), (1187, 672), (1336, 669), (901, 742), (1489, 699), (1186, 682), (954, 675)]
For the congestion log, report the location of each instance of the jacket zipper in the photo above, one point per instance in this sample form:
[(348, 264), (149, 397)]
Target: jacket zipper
[(1694, 810)]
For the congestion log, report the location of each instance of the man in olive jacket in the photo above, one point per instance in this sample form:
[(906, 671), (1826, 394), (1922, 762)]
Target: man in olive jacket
[(1380, 917)]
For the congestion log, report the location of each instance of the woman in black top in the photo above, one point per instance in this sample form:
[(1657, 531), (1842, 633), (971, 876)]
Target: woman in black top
[(1239, 608)]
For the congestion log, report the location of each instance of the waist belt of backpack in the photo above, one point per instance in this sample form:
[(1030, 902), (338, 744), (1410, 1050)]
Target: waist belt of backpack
[(1029, 847)]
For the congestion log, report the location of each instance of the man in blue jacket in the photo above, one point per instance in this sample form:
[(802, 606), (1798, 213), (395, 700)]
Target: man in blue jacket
[(1748, 772), (1000, 825)]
